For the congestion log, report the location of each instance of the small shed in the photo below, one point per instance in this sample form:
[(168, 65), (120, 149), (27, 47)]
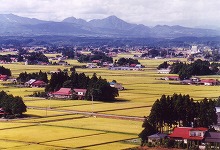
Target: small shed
[(28, 83), (212, 137), (156, 137), (80, 93)]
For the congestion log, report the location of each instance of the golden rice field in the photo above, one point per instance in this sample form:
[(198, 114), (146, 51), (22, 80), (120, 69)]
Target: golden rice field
[(54, 124)]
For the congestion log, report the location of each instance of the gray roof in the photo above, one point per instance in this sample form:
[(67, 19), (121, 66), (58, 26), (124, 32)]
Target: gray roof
[(158, 136), (212, 137)]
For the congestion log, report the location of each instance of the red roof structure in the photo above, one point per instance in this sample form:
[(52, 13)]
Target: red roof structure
[(3, 77), (80, 91), (133, 65), (63, 91), (188, 133), (208, 81), (38, 83)]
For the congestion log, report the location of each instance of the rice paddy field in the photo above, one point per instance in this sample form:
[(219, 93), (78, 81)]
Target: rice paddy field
[(58, 124)]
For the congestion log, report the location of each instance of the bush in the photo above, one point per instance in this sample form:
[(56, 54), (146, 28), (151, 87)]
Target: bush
[(39, 94), (149, 144), (169, 143)]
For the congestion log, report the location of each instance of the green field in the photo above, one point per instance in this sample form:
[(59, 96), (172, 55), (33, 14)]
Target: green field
[(55, 123)]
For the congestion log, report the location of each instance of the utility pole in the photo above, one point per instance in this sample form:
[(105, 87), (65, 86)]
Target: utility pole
[(92, 95), (92, 103)]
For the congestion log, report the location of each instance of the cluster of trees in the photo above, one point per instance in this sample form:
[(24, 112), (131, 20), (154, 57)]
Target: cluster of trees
[(7, 58), (24, 76), (39, 94), (95, 56), (11, 105), (198, 67), (35, 57), (164, 65), (214, 56), (68, 53), (169, 111), (179, 110), (97, 88), (126, 61), (5, 71)]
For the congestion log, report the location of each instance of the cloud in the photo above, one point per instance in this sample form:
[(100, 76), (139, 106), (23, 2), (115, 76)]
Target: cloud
[(148, 12)]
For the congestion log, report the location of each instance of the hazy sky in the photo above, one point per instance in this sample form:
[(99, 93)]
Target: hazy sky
[(147, 12)]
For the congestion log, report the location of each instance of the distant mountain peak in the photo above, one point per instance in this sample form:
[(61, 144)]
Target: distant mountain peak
[(11, 18), (75, 21), (111, 22), (111, 26), (112, 17)]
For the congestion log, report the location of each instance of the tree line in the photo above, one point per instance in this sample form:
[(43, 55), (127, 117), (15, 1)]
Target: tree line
[(126, 61), (97, 88), (11, 105), (198, 67), (24, 76), (95, 56)]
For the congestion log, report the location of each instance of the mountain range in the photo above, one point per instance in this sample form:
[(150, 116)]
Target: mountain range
[(112, 26)]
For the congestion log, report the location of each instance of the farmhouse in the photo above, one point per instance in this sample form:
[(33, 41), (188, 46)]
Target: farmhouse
[(38, 83), (68, 93), (195, 79), (208, 82), (172, 78), (3, 77), (91, 65), (124, 68), (163, 71), (80, 93), (28, 83), (62, 93), (188, 134), (96, 61)]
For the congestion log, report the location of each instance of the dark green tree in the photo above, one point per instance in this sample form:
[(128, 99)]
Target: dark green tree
[(148, 130), (12, 105), (5, 71), (207, 113)]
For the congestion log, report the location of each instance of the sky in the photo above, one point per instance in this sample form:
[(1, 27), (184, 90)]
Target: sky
[(191, 13)]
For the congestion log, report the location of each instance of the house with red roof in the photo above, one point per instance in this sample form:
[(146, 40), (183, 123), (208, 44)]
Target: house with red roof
[(133, 65), (38, 83), (3, 77), (68, 93), (208, 82), (96, 61), (62, 93), (188, 134)]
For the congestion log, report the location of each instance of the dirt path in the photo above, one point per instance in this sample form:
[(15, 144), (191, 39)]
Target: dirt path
[(95, 114)]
